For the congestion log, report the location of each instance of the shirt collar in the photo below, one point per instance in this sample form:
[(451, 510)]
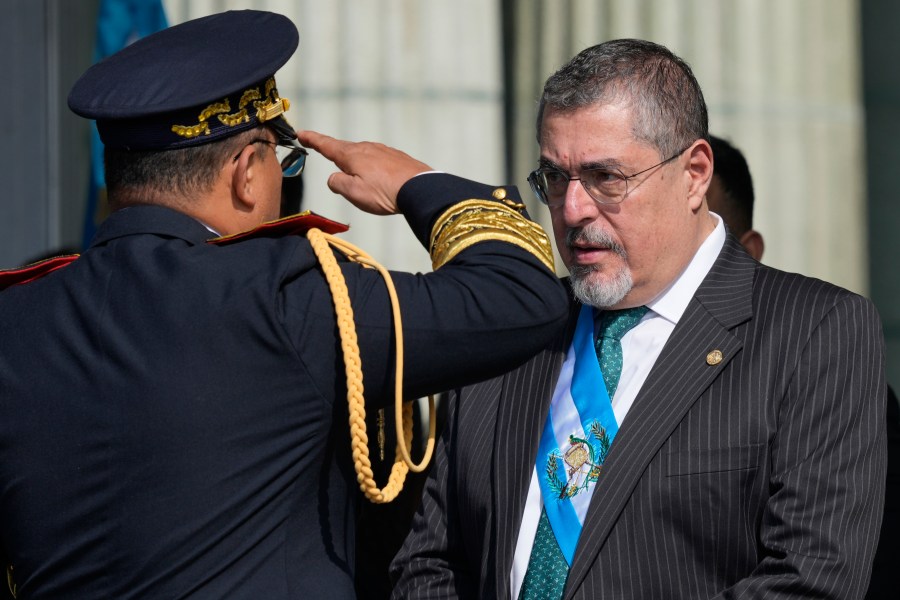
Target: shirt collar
[(672, 303)]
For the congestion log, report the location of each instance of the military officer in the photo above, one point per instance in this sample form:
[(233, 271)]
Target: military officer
[(173, 414)]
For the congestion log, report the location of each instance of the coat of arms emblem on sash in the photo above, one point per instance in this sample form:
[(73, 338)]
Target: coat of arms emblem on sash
[(583, 459)]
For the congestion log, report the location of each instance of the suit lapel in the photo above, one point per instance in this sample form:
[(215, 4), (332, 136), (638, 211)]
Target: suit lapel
[(678, 378), (525, 401)]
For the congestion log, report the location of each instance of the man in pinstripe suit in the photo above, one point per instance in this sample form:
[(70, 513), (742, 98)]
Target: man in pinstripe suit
[(748, 453)]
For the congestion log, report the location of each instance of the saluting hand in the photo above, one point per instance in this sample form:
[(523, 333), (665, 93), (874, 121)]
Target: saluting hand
[(370, 175)]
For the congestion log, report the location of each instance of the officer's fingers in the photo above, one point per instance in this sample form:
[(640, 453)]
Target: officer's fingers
[(362, 194), (325, 145), (340, 183), (311, 139), (349, 157)]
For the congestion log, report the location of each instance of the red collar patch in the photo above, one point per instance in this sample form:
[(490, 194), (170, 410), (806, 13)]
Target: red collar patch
[(297, 224), (294, 225), (18, 276)]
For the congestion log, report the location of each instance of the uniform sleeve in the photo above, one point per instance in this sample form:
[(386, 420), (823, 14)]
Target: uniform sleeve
[(487, 309), (820, 528)]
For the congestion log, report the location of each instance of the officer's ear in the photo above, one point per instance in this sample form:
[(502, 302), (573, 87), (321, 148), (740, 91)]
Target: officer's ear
[(245, 176)]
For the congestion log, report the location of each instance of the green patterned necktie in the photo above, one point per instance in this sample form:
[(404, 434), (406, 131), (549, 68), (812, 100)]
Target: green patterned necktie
[(613, 325), (547, 570)]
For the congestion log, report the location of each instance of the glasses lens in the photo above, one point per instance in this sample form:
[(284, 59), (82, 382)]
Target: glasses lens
[(291, 157), (536, 186), (550, 185), (607, 187)]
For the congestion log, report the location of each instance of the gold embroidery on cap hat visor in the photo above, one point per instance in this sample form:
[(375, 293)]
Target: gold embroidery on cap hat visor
[(268, 106)]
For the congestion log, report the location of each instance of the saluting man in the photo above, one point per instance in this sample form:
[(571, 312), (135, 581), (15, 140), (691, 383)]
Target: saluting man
[(173, 421)]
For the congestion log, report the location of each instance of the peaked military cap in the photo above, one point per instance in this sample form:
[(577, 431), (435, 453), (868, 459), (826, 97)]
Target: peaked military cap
[(190, 84)]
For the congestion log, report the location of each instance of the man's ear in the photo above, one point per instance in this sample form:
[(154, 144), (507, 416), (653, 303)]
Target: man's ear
[(244, 178), (700, 170), (752, 241)]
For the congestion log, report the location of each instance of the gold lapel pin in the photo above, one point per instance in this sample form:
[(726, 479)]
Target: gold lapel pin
[(714, 357)]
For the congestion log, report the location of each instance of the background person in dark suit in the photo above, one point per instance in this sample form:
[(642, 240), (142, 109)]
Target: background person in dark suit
[(730, 195), (885, 579), (173, 413), (746, 454)]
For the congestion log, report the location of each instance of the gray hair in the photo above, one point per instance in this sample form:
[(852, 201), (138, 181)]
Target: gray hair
[(667, 104)]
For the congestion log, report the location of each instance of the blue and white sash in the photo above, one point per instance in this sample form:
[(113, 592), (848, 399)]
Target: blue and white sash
[(577, 435)]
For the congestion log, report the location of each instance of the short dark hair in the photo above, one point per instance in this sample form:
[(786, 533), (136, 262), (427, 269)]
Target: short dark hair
[(730, 167), (183, 171), (667, 103)]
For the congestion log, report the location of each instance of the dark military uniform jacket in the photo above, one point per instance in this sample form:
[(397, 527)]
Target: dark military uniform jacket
[(173, 420)]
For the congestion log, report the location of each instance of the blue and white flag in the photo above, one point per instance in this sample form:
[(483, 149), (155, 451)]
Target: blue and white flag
[(119, 23)]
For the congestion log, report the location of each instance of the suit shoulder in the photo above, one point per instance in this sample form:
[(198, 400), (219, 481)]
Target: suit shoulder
[(778, 292)]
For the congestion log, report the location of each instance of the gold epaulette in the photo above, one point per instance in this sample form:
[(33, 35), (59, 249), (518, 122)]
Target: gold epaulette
[(473, 221)]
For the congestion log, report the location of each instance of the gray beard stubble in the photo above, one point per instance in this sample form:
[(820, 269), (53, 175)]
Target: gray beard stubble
[(587, 291)]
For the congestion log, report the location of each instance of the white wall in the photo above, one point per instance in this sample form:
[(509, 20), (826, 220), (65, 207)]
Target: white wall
[(781, 77), (782, 82), (421, 76)]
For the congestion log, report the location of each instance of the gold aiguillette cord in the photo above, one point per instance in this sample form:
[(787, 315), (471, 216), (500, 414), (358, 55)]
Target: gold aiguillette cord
[(359, 442)]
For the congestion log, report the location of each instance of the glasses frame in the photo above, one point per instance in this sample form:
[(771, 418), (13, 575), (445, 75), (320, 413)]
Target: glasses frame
[(294, 162), (292, 157), (535, 176)]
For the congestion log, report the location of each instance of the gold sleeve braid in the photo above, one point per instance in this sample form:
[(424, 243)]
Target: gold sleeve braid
[(473, 221)]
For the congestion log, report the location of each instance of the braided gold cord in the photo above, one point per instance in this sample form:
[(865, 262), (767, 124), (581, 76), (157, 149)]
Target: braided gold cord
[(359, 442)]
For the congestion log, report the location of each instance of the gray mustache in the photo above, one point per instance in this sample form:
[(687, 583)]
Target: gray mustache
[(593, 236)]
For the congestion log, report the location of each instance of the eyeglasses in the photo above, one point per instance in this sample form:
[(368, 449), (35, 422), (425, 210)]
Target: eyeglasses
[(291, 157), (290, 154), (605, 185)]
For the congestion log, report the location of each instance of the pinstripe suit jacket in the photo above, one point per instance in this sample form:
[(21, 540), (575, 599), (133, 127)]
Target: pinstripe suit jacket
[(758, 477)]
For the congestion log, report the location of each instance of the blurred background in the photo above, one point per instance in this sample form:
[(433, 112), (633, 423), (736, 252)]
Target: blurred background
[(809, 90)]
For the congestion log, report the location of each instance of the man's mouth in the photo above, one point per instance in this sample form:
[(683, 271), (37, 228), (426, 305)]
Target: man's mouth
[(590, 255), (590, 246)]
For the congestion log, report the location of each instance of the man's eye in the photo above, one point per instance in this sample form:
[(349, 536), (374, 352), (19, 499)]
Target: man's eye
[(600, 177), (556, 178)]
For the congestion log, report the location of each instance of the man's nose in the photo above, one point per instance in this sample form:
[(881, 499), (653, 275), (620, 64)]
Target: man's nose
[(578, 207)]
